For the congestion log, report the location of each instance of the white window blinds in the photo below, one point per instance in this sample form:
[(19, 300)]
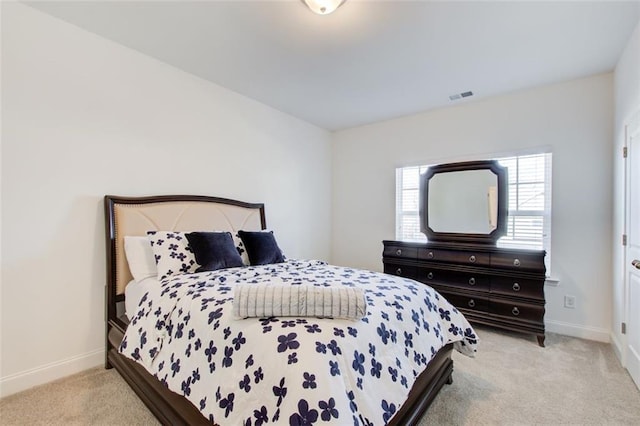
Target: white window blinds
[(529, 221), (407, 196)]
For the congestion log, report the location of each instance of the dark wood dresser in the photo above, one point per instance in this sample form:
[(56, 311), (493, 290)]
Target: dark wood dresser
[(489, 285)]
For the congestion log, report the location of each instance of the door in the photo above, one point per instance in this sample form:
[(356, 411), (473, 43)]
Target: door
[(632, 255)]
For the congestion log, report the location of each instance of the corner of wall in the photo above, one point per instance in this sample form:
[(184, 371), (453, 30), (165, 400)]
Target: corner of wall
[(616, 345)]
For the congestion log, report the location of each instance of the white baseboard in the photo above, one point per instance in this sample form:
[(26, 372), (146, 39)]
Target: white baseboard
[(616, 344), (581, 331), (46, 373)]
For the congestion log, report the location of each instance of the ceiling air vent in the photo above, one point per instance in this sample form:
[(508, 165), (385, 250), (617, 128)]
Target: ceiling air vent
[(461, 95)]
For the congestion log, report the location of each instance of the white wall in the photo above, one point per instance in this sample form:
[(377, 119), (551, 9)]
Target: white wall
[(84, 117), (627, 103), (573, 118)]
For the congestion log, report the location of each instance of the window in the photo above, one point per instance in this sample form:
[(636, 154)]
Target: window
[(529, 220), (407, 199)]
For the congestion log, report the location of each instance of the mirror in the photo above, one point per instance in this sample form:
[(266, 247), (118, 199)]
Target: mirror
[(464, 202)]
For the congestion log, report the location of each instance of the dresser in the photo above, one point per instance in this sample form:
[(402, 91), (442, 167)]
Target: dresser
[(493, 286)]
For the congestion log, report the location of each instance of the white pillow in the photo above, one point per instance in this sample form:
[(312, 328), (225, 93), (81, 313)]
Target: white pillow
[(139, 255), (172, 253)]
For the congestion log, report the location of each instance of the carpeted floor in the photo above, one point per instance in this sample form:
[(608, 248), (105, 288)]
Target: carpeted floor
[(512, 381)]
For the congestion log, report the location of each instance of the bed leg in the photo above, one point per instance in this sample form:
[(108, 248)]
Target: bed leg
[(541, 340), (107, 364), (450, 379)]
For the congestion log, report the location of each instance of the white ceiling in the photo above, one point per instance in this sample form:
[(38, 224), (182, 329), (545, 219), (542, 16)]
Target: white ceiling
[(370, 60)]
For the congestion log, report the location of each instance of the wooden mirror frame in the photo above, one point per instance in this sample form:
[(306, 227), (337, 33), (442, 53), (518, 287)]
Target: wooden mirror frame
[(501, 223)]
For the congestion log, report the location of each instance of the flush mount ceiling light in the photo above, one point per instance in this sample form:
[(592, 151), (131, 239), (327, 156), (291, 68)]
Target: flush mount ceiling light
[(323, 7)]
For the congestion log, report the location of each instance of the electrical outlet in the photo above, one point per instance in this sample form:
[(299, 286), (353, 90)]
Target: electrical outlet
[(569, 302)]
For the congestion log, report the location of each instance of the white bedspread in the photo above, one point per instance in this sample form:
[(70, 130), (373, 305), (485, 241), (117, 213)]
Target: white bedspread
[(134, 291), (292, 370)]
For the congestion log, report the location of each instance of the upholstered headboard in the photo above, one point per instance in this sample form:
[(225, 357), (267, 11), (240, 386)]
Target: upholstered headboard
[(128, 216)]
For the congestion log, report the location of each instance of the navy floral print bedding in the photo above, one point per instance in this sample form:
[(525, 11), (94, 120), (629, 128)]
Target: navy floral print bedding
[(287, 370)]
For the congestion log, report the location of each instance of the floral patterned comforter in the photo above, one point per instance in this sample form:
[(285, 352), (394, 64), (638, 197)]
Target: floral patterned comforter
[(288, 370)]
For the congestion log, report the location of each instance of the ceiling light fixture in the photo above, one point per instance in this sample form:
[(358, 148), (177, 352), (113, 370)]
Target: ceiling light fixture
[(323, 7)]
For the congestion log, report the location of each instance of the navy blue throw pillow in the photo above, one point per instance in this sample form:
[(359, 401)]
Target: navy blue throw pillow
[(261, 247), (214, 250)]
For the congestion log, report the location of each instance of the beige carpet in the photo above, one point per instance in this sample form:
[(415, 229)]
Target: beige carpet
[(512, 381)]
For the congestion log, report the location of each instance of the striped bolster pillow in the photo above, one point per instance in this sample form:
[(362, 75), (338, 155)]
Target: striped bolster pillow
[(259, 300)]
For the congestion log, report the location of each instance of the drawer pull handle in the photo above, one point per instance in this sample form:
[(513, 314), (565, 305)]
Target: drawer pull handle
[(472, 281), (399, 252), (472, 259), (430, 255), (515, 311), (516, 262), (430, 276), (399, 271), (516, 287), (472, 303)]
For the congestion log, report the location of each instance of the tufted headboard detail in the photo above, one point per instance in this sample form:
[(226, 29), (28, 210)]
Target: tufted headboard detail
[(134, 216)]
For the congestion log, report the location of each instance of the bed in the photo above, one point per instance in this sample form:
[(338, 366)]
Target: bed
[(192, 362)]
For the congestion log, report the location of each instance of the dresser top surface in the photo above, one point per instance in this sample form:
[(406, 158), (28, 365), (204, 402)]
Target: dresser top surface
[(463, 247)]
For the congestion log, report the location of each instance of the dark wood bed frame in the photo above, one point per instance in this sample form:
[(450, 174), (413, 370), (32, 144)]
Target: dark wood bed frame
[(173, 409)]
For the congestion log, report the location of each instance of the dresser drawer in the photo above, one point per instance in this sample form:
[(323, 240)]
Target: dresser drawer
[(400, 251), (470, 258), (472, 303), (465, 280), (403, 271), (518, 261), (532, 289), (516, 310)]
